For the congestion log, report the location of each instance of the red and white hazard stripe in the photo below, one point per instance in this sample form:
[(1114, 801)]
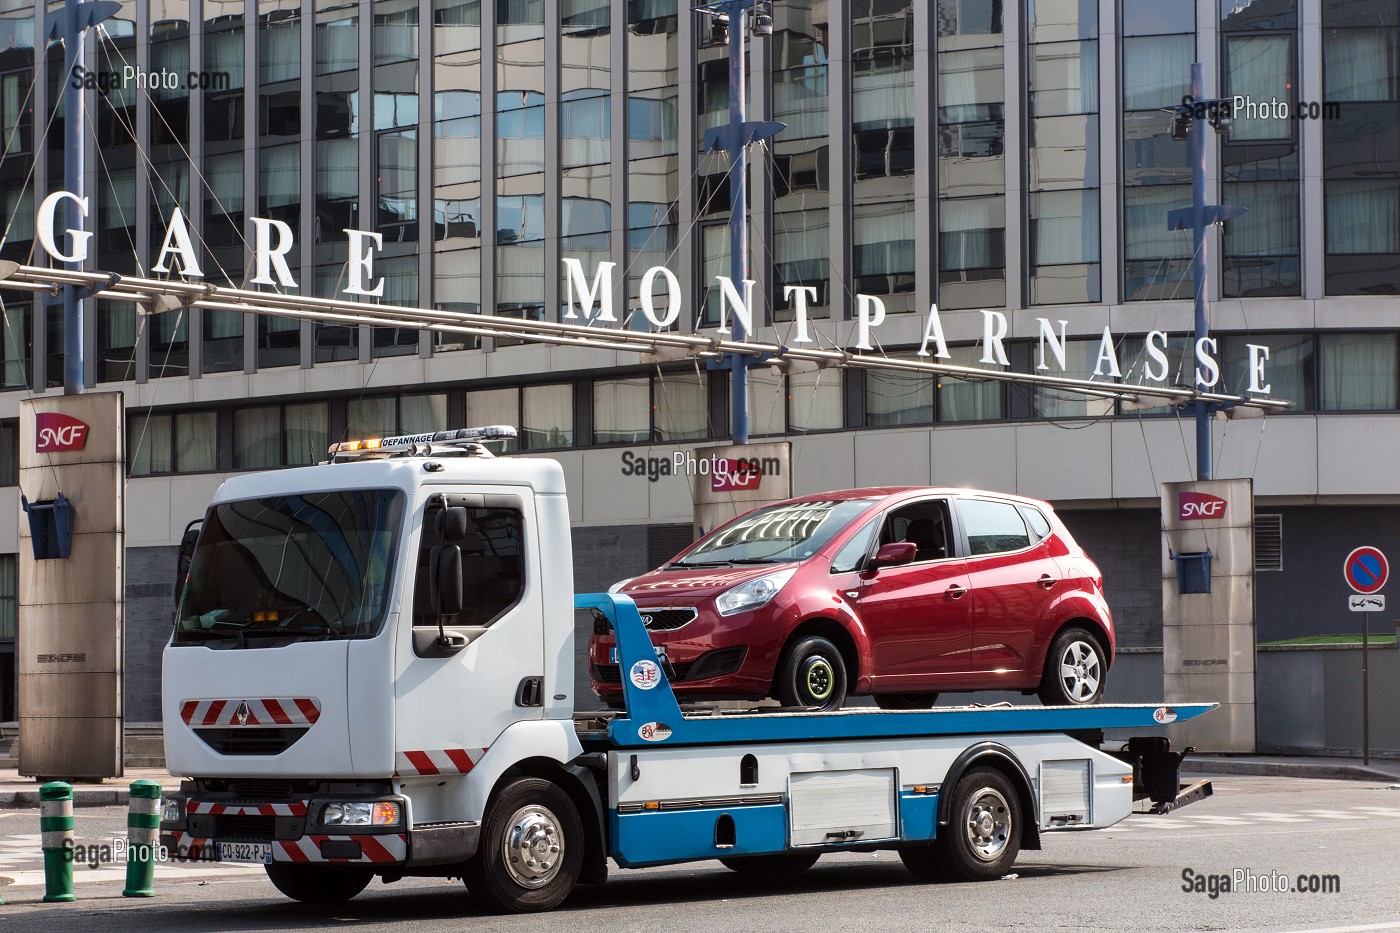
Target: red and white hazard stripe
[(265, 809), (439, 761), (265, 711), (387, 848), (190, 847)]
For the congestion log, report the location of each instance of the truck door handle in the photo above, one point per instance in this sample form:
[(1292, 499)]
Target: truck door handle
[(956, 591), (1047, 582)]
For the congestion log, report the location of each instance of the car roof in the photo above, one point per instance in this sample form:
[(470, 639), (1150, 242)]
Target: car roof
[(891, 492)]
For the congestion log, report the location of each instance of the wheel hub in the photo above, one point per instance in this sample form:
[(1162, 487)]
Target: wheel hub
[(819, 679), (1079, 671), (988, 824), (533, 847)]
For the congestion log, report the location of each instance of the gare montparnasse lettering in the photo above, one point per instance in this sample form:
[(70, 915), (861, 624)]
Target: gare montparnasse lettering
[(273, 240)]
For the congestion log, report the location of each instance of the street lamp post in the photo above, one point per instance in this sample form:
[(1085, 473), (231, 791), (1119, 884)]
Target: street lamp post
[(734, 137), (1192, 115)]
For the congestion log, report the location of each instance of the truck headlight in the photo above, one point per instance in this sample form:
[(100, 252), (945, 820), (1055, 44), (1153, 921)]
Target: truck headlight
[(361, 813), (172, 810), (754, 593)]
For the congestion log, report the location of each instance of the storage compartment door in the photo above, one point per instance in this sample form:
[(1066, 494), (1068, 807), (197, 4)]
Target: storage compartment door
[(834, 807)]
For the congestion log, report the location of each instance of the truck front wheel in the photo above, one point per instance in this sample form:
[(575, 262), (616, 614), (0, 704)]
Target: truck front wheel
[(531, 850), (318, 884)]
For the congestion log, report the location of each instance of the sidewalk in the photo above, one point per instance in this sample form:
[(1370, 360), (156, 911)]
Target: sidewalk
[(23, 793)]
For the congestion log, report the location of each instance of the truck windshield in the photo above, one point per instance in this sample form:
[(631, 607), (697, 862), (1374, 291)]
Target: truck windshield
[(774, 535), (308, 566)]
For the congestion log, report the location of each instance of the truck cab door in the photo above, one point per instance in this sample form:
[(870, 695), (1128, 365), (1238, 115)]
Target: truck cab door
[(453, 699)]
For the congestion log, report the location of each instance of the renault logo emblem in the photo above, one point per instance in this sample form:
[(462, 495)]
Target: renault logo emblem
[(240, 715)]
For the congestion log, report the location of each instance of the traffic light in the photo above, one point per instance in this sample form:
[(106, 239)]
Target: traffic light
[(763, 17)]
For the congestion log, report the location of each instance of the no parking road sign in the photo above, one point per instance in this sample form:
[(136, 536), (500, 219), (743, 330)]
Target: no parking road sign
[(1366, 570)]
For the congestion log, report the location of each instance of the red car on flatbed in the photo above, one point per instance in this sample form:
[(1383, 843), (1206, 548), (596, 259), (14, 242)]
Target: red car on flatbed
[(901, 593)]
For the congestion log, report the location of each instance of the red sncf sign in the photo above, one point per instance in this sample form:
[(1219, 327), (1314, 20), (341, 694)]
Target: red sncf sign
[(1198, 505), (55, 432), (735, 474)]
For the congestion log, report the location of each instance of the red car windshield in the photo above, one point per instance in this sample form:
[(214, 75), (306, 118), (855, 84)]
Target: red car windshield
[(775, 535)]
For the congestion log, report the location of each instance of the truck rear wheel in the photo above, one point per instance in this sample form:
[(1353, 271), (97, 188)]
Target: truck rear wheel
[(318, 884), (777, 865), (983, 835), (531, 850)]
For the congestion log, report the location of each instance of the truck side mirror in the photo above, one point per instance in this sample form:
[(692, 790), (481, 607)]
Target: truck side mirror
[(452, 524), (894, 554), (447, 579)]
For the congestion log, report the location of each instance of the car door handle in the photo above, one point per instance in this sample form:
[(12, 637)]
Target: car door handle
[(956, 591), (1047, 582)]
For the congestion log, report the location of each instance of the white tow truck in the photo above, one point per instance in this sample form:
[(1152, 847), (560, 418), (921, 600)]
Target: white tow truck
[(372, 674)]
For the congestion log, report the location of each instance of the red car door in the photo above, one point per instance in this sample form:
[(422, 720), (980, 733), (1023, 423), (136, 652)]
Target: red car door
[(1013, 580), (917, 615)]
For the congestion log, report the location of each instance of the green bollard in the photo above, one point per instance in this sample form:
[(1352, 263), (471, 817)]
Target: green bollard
[(143, 838), (56, 832)]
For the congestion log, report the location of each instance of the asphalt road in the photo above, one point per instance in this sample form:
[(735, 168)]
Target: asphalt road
[(1126, 878)]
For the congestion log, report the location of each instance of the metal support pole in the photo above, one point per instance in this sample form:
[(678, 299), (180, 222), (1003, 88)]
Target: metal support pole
[(738, 213), (73, 181), (1199, 264), (1365, 688)]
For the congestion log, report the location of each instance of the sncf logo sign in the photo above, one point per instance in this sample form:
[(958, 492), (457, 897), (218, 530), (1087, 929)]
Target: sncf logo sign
[(55, 432), (1198, 505), (735, 474)]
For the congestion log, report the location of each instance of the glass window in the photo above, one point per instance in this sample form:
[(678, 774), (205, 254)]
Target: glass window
[(967, 17), (893, 398), (1260, 69), (1064, 78), (548, 416), (1363, 216), (257, 438), (279, 43), (923, 524), (495, 406), (682, 408), (776, 533), (419, 414), (306, 431), (816, 401), (1288, 371), (9, 596), (1156, 71), (992, 527), (853, 553), (883, 249), (767, 401), (196, 442), (1153, 17), (493, 566), (337, 38), (1064, 227), (9, 454), (621, 410), (1081, 358), (371, 417), (1361, 64), (969, 399), (1358, 372), (148, 445)]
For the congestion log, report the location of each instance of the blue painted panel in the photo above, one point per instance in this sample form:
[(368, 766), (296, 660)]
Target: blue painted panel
[(654, 718), (918, 816), (656, 837)]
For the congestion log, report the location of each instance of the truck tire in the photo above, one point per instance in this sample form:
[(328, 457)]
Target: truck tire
[(1075, 670), (531, 850), (983, 835), (318, 884), (811, 674), (777, 865)]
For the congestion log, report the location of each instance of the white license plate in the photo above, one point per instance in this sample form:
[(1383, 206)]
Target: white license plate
[(258, 852), (660, 654)]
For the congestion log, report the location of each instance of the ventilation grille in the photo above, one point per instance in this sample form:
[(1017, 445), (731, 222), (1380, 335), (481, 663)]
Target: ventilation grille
[(1268, 542)]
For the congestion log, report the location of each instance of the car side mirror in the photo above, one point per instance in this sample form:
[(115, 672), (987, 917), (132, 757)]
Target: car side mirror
[(894, 554), (446, 589)]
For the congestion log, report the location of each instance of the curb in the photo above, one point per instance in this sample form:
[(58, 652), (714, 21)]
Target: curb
[(1289, 769), (82, 797)]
